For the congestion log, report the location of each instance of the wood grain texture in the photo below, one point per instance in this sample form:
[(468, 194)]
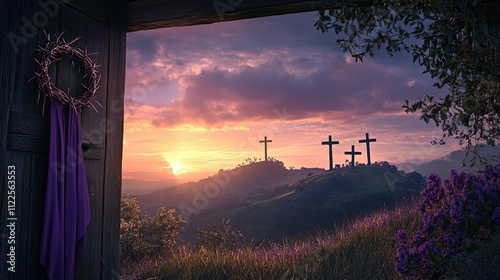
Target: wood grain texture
[(151, 14), (93, 129), (15, 92), (29, 132), (114, 142), (95, 9)]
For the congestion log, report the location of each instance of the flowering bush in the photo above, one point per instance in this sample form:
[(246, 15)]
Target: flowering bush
[(463, 209)]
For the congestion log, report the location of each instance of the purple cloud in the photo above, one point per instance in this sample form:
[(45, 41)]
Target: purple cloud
[(243, 71)]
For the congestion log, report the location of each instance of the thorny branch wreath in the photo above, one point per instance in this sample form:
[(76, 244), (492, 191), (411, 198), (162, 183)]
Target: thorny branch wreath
[(51, 53)]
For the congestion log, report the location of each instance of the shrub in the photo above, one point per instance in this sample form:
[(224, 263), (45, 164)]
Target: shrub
[(130, 227), (142, 235), (161, 232), (454, 214), (218, 236)]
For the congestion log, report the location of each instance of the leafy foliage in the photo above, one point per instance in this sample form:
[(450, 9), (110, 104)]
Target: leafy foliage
[(130, 227), (161, 232), (219, 236), (464, 209), (142, 235), (458, 43)]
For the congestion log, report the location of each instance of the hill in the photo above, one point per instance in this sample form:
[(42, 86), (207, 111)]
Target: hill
[(317, 202), (225, 187)]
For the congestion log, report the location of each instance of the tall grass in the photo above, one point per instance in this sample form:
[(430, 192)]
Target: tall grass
[(361, 250)]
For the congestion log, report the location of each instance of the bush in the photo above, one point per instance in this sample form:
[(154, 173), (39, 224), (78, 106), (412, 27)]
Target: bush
[(161, 232), (141, 235), (465, 209), (218, 236), (130, 228)]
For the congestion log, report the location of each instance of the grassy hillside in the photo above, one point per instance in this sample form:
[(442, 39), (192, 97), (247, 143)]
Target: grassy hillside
[(317, 202), (361, 250)]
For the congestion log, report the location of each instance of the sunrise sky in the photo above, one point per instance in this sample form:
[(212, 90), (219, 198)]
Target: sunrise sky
[(200, 98)]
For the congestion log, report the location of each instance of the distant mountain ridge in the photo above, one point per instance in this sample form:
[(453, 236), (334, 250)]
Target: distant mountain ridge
[(456, 160)]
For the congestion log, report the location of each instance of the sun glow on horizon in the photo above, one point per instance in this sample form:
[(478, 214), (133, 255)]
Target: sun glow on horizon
[(177, 169)]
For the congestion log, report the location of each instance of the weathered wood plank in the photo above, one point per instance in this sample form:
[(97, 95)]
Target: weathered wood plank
[(18, 67), (96, 9), (114, 142), (30, 133), (152, 14), (93, 130)]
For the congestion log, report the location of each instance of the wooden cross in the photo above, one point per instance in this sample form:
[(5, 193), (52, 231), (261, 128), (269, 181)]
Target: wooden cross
[(330, 143), (265, 141), (367, 140), (352, 153)]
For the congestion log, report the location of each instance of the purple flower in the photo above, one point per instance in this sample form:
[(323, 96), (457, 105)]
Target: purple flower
[(434, 191), (452, 242), (427, 249), (441, 219), (452, 215), (417, 239), (401, 263), (456, 209), (402, 236), (455, 183), (491, 175), (429, 222), (459, 179)]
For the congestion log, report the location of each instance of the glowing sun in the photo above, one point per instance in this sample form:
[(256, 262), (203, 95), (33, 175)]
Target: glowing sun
[(176, 168)]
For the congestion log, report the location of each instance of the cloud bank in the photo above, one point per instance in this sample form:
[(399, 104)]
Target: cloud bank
[(224, 75)]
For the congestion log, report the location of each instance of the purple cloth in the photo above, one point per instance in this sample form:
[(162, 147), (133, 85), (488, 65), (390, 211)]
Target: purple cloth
[(67, 207)]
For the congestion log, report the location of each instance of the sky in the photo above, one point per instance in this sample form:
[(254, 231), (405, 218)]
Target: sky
[(198, 99)]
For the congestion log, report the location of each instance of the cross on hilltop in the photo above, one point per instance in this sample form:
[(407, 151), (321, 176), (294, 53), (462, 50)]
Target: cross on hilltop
[(265, 141), (367, 140), (353, 154), (330, 143)]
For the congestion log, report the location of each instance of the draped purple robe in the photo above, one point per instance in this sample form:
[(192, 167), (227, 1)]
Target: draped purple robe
[(67, 207)]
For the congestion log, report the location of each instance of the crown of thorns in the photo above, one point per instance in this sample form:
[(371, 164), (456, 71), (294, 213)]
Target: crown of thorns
[(50, 54)]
